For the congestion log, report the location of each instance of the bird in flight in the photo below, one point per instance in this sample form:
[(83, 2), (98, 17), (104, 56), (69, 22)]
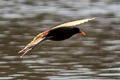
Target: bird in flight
[(58, 33)]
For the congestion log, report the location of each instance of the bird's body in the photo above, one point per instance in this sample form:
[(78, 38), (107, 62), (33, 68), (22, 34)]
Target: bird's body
[(58, 33), (62, 33)]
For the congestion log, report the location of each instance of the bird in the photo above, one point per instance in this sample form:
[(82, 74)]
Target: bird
[(57, 33)]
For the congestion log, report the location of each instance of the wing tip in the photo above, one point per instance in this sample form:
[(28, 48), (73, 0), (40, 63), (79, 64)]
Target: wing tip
[(89, 19)]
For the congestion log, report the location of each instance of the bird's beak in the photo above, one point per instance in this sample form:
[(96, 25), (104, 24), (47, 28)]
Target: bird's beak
[(83, 33)]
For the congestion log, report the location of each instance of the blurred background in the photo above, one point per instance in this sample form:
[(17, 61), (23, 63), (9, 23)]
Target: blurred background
[(95, 57)]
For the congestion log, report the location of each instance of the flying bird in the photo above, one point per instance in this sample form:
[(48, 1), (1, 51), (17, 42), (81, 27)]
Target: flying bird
[(58, 33)]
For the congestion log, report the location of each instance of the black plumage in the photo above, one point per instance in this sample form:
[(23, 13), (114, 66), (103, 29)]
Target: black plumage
[(62, 33)]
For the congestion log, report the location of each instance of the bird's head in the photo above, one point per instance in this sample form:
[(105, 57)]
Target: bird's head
[(77, 30)]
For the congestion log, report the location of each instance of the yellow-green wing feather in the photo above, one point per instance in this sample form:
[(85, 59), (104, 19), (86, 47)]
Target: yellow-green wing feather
[(73, 23)]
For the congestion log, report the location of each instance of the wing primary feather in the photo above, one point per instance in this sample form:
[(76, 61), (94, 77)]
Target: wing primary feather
[(39, 38), (30, 46)]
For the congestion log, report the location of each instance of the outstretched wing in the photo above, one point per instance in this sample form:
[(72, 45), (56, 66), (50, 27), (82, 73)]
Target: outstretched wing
[(73, 23), (39, 38), (42, 36)]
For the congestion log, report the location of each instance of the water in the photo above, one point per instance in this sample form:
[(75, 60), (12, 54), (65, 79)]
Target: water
[(95, 57)]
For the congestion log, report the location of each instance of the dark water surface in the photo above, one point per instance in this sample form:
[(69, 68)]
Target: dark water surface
[(95, 57)]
